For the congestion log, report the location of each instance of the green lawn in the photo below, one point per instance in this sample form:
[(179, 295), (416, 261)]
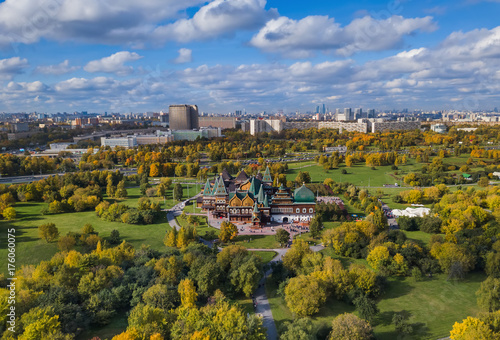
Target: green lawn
[(419, 236), (30, 249), (266, 256), (433, 305), (359, 175), (257, 241)]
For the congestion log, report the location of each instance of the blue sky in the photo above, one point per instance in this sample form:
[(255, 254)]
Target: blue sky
[(258, 55)]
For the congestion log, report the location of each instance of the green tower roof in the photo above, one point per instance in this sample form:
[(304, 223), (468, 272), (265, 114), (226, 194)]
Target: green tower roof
[(266, 202), (267, 176), (221, 188), (260, 196), (303, 195), (255, 208), (207, 191)]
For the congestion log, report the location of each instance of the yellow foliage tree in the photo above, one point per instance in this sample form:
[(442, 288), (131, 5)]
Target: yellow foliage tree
[(188, 294), (471, 329)]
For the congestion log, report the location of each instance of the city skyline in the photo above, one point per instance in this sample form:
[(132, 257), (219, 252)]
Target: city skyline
[(226, 55)]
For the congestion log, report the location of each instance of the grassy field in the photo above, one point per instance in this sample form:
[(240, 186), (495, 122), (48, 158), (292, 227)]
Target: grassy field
[(30, 249), (257, 241), (359, 175), (433, 305), (266, 256)]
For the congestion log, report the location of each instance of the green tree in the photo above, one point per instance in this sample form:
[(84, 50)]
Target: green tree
[(349, 326), (282, 236), (160, 296), (121, 192), (178, 192), (48, 232), (303, 177), (87, 229), (114, 237), (167, 182), (245, 274), (292, 260), (366, 307), (401, 324), (299, 329), (147, 320), (228, 231), (488, 295), (316, 226)]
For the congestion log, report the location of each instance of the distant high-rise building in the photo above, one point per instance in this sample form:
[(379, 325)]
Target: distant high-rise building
[(371, 113), (183, 117), (317, 109), (358, 113), (238, 113), (348, 113), (323, 111)]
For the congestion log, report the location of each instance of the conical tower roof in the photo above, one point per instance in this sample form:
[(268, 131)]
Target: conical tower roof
[(221, 188), (207, 190), (260, 196), (255, 208), (267, 176), (266, 202)]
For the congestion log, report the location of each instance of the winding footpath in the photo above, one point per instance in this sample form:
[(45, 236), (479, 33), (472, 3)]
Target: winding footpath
[(263, 307)]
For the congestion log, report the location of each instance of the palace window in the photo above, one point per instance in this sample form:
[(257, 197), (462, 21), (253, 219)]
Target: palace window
[(297, 210), (304, 210), (311, 210)]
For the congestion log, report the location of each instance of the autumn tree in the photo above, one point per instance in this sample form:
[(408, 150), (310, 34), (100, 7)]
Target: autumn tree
[(154, 171), (188, 294), (9, 213), (304, 295), (145, 321), (41, 323), (228, 231), (379, 257), (66, 243), (48, 232), (349, 326), (471, 329)]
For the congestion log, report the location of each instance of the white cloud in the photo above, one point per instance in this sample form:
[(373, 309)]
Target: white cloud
[(219, 17), (59, 69), (321, 33), (185, 56), (438, 77), (126, 22), (115, 63), (12, 66)]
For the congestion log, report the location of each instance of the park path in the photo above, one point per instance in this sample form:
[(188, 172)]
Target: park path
[(263, 307)]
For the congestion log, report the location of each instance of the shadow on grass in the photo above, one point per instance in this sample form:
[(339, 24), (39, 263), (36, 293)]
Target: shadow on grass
[(395, 288)]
